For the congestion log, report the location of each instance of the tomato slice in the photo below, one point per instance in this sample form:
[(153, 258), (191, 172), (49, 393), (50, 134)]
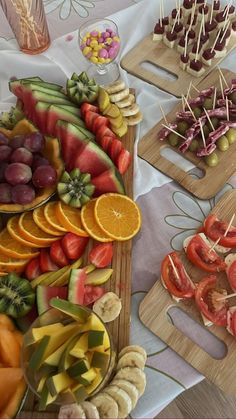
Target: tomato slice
[(181, 286), (198, 253), (231, 320), (231, 275), (204, 287), (215, 228)]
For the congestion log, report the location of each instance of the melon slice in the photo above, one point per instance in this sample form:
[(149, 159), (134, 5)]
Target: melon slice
[(9, 349), (10, 379), (44, 295)]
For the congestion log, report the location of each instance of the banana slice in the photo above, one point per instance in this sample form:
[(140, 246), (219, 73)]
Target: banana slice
[(90, 410), (133, 348), (129, 100), (131, 359), (135, 119), (129, 388), (106, 406), (130, 110), (122, 399), (134, 376), (108, 307), (116, 97), (115, 87), (71, 411)]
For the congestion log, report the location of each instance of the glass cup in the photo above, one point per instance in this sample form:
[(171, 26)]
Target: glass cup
[(100, 44), (28, 22)]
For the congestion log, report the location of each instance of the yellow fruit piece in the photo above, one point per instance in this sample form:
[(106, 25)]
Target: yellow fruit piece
[(90, 224), (113, 111), (118, 216), (116, 122), (103, 99), (49, 212), (41, 221), (122, 130), (13, 229), (12, 248), (37, 333), (81, 346), (70, 218), (8, 264), (63, 279), (30, 231), (59, 382), (95, 383)]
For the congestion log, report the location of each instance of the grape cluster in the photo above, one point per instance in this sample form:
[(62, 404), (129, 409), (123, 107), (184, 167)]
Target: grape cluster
[(23, 169)]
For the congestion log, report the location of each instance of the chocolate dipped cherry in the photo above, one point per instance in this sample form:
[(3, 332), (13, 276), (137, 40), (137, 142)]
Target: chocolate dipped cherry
[(230, 11), (174, 13), (187, 4), (165, 21), (194, 48), (208, 54), (192, 21), (200, 1), (203, 9), (210, 26), (182, 41), (184, 58), (196, 65), (220, 17), (204, 38), (220, 45), (159, 30), (178, 27), (216, 5), (191, 34), (171, 36)]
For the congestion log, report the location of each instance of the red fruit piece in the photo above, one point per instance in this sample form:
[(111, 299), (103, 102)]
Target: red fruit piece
[(90, 118), (99, 122), (123, 161), (105, 142), (73, 245), (92, 294), (32, 269), (102, 131), (114, 149), (101, 255), (57, 254), (46, 263), (85, 107)]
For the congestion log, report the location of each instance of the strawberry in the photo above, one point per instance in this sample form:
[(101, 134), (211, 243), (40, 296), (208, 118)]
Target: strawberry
[(101, 255), (32, 269), (73, 245), (45, 262), (92, 294), (98, 122), (104, 130), (85, 107), (114, 149), (105, 142), (123, 161), (57, 254), (89, 119)]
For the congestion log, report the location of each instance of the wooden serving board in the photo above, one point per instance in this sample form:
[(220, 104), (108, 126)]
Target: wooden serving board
[(220, 371), (159, 55), (214, 178), (120, 283)]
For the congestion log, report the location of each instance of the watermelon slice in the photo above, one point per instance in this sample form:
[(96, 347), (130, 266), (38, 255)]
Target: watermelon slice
[(108, 181), (76, 286), (44, 295), (55, 113)]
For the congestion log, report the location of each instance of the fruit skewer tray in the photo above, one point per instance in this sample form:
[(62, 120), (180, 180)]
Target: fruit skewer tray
[(120, 283)]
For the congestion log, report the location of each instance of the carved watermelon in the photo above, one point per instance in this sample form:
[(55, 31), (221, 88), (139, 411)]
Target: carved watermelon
[(44, 295)]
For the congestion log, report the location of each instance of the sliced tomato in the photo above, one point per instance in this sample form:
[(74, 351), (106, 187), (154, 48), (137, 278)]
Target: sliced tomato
[(57, 254), (89, 119), (202, 293), (180, 286), (46, 263), (85, 107), (114, 149), (215, 228), (100, 121), (101, 255), (123, 161), (231, 275), (92, 294), (32, 269), (73, 245), (104, 130), (199, 253)]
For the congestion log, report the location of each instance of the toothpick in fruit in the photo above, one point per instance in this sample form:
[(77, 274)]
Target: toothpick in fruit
[(173, 266), (202, 132), (214, 99), (214, 245), (229, 225)]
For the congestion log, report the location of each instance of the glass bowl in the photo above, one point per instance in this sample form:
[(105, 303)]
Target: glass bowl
[(99, 42), (50, 317)]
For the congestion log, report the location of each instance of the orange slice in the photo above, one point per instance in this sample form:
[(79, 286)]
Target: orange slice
[(13, 229), (90, 224), (49, 212), (12, 248), (118, 216), (70, 218), (3, 273), (8, 264), (41, 221), (30, 231)]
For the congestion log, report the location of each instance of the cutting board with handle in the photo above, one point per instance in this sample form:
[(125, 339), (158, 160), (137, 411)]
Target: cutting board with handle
[(154, 308), (214, 178)]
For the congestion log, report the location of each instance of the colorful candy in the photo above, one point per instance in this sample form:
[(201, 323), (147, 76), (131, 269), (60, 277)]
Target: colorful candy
[(100, 47)]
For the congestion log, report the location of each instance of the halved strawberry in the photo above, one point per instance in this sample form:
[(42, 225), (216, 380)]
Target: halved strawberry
[(114, 149), (57, 254), (101, 255), (45, 262), (85, 107), (73, 245), (90, 118), (32, 269), (92, 294), (123, 161), (98, 122), (102, 131), (105, 142)]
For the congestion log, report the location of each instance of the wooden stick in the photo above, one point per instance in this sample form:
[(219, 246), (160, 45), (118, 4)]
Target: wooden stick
[(226, 28), (189, 107), (183, 105), (186, 43), (202, 132), (172, 130), (160, 15), (189, 89), (173, 266), (214, 98), (209, 119), (212, 9), (163, 114), (203, 24), (215, 41), (221, 88), (227, 108), (225, 297), (230, 223), (198, 42), (226, 11), (223, 77), (214, 245), (176, 17), (195, 88)]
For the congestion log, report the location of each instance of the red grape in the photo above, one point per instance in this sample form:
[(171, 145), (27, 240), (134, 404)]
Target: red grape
[(17, 141), (34, 142), (22, 155), (18, 173), (5, 193), (39, 160), (3, 167), (5, 152), (22, 194), (3, 139), (44, 176)]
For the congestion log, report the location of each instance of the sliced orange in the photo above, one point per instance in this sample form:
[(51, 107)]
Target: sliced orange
[(13, 229), (8, 264), (70, 218), (90, 224), (50, 215), (12, 248), (3, 273), (30, 231), (118, 216), (41, 221)]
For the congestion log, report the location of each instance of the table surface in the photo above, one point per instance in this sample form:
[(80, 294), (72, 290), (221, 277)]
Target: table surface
[(169, 213)]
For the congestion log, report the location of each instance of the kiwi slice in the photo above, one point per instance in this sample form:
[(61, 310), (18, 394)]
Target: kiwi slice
[(16, 295), (81, 88), (75, 188)]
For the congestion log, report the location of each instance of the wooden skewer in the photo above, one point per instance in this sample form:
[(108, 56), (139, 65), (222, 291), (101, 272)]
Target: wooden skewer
[(227, 108), (212, 9), (223, 77), (226, 11), (226, 28), (189, 108), (189, 89), (176, 17), (195, 88), (163, 114), (214, 245), (229, 225), (216, 39), (160, 15), (173, 266), (203, 24), (221, 88), (172, 130), (209, 119), (198, 42), (225, 297), (202, 132), (183, 104), (186, 43), (214, 98)]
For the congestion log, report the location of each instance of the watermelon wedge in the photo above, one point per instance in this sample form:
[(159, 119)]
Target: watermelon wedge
[(44, 295), (108, 181)]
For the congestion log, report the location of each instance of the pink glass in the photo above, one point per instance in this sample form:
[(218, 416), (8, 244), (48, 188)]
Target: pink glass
[(28, 22)]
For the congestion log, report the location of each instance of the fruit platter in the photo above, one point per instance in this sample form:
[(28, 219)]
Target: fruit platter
[(68, 219)]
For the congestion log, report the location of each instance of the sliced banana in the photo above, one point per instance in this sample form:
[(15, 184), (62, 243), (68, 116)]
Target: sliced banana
[(129, 100), (131, 359), (115, 87), (134, 376), (106, 406), (133, 348), (71, 411), (130, 110), (90, 410), (129, 388), (122, 399), (135, 119), (116, 97), (108, 307)]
